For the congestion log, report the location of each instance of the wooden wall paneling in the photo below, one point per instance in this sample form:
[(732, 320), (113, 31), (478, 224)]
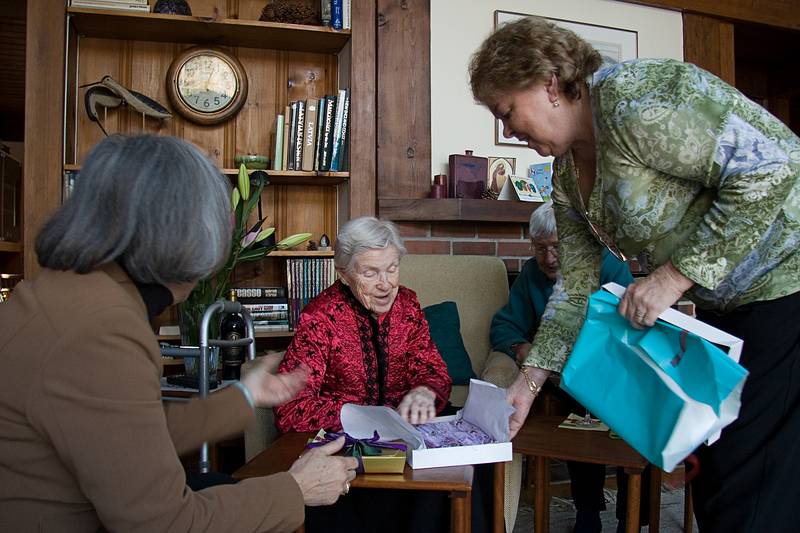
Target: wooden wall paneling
[(363, 168), (781, 13), (708, 43), (404, 109), (44, 121), (254, 125), (305, 209), (73, 106)]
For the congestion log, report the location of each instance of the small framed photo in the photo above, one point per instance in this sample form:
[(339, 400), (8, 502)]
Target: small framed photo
[(500, 168)]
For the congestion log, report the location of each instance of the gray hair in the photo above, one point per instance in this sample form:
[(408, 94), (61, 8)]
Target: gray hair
[(156, 205), (361, 234), (543, 222)]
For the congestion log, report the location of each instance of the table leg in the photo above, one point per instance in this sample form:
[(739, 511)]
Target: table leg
[(541, 505), (498, 497), (460, 512), (634, 495), (688, 511), (655, 498)]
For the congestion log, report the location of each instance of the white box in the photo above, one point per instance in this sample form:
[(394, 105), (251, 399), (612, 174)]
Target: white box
[(486, 408)]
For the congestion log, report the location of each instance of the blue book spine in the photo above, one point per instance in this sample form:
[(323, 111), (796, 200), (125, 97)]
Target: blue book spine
[(336, 14)]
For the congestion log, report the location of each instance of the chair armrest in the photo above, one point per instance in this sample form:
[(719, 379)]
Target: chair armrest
[(500, 369)]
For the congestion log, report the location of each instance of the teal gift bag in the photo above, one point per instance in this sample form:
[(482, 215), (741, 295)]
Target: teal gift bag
[(665, 389)]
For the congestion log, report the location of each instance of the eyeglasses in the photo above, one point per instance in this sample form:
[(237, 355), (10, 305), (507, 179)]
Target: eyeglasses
[(605, 239), (542, 251)]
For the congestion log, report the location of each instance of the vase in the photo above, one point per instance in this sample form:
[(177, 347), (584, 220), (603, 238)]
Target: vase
[(190, 318)]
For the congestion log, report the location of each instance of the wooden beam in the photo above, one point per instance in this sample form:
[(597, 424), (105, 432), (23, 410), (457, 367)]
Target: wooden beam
[(362, 110), (44, 121), (782, 13), (708, 43)]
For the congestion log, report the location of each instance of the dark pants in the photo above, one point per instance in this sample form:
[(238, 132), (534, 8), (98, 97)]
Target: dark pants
[(749, 480)]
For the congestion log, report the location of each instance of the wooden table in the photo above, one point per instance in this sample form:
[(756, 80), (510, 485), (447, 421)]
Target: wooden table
[(457, 480), (542, 439)]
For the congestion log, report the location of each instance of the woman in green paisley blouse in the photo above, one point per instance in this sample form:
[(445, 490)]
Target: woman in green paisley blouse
[(661, 159)]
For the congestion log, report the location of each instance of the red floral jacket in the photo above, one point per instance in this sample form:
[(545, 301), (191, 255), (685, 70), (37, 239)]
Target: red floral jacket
[(335, 340)]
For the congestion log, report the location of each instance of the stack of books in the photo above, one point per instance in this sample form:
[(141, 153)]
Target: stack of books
[(337, 14), (122, 5), (311, 134), (268, 307), (305, 278)]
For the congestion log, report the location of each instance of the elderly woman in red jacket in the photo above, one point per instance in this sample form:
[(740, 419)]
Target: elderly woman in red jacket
[(364, 340)]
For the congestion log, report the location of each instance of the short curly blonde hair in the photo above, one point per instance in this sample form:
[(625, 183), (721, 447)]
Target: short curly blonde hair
[(521, 53)]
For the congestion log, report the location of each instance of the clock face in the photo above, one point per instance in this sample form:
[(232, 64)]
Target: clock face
[(207, 83)]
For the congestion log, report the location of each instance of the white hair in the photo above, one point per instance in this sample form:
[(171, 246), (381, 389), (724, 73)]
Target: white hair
[(361, 234), (543, 222)]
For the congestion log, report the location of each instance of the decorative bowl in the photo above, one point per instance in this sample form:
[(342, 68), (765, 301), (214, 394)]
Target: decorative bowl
[(252, 161)]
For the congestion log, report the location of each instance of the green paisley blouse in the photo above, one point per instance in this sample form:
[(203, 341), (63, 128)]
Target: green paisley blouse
[(688, 170)]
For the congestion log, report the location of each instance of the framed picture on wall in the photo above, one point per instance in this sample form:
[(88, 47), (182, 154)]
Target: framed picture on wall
[(614, 45)]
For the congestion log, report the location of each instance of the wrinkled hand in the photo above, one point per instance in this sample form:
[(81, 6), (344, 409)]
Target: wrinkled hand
[(269, 389), (646, 298), (322, 478), (521, 352), (418, 405), (521, 399)]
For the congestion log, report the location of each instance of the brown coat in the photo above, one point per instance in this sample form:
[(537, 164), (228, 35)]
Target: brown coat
[(85, 441)]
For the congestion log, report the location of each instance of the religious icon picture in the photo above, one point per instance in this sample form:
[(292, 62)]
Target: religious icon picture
[(500, 168)]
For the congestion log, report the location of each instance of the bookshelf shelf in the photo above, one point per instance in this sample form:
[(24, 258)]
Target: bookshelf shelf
[(300, 253), (8, 246), (455, 209), (277, 177), (201, 30)]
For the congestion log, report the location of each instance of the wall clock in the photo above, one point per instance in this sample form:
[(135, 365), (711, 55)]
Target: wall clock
[(206, 85)]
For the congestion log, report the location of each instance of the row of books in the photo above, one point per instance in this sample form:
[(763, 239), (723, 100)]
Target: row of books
[(305, 278), (268, 307), (311, 134), (122, 5), (337, 14)]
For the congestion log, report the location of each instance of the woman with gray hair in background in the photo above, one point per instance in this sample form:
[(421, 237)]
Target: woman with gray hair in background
[(85, 442)]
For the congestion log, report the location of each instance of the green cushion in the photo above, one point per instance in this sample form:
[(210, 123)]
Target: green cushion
[(445, 329)]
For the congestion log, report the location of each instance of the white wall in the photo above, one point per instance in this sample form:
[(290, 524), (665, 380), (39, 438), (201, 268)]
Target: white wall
[(459, 26)]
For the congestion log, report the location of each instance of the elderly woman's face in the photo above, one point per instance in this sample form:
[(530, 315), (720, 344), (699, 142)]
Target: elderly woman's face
[(374, 278), (530, 116)]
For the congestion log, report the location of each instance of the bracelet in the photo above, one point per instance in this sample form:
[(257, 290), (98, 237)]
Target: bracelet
[(532, 386)]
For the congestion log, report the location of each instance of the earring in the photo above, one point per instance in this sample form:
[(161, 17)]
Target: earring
[(556, 103)]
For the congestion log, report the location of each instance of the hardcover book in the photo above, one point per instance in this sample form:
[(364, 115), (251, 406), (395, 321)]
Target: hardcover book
[(260, 292), (338, 160), (277, 158), (298, 135), (327, 133), (291, 137), (287, 118), (341, 104), (310, 134)]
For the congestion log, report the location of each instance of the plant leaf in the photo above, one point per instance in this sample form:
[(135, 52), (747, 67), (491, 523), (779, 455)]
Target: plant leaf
[(293, 240)]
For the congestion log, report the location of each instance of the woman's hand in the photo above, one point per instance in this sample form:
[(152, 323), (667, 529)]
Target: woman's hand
[(323, 478), (418, 405), (269, 389), (646, 298), (520, 397)]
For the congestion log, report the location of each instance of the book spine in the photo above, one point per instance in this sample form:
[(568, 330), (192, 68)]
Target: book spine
[(264, 327), (270, 315), (337, 161), (327, 134), (286, 122), (292, 133), (337, 126), (323, 104), (336, 14), (260, 322), (118, 7), (266, 308), (277, 158), (346, 14), (298, 136), (263, 301), (260, 292), (310, 138)]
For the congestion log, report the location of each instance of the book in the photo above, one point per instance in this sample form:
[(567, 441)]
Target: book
[(277, 157), (336, 14), (260, 292), (286, 120), (310, 135), (347, 22), (542, 175), (91, 4), (279, 327), (169, 330), (265, 307), (270, 315), (323, 103), (337, 127), (298, 135), (338, 160), (327, 134), (265, 322), (292, 134)]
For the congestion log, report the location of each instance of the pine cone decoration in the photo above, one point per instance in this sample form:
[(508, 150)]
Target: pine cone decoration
[(489, 194), (291, 12)]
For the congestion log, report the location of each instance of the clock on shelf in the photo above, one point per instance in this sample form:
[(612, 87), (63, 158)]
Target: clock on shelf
[(206, 85)]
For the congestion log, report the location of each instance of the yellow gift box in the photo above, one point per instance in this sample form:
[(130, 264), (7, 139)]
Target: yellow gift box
[(388, 462)]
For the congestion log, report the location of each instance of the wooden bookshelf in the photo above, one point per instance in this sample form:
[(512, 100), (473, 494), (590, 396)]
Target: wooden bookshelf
[(300, 253), (106, 24), (8, 246), (455, 209)]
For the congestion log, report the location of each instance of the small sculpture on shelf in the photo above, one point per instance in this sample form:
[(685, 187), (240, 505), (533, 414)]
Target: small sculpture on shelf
[(324, 243), (292, 12), (109, 93), (173, 7)]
